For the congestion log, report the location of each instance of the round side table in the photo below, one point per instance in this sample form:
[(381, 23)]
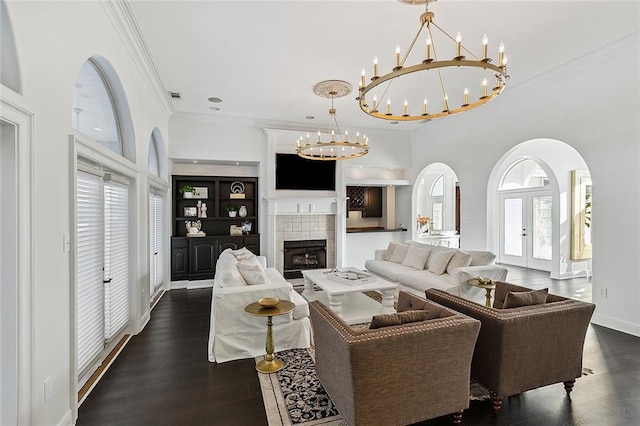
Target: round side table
[(270, 364), (488, 286)]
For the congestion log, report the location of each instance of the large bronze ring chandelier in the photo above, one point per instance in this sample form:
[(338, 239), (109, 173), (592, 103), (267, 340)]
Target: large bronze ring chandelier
[(420, 89)]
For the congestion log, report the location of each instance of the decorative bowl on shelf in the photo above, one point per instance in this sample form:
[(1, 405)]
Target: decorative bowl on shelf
[(268, 302)]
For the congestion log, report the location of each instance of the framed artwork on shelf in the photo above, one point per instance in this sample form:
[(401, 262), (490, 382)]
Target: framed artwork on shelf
[(190, 212), (580, 214), (201, 192)]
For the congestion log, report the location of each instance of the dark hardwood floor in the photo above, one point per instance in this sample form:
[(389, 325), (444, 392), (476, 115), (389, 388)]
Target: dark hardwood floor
[(162, 377)]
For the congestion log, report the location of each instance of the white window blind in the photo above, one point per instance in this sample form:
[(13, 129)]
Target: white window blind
[(116, 259), (89, 261), (156, 242)]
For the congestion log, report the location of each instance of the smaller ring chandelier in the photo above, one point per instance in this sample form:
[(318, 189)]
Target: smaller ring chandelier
[(339, 147), (455, 71)]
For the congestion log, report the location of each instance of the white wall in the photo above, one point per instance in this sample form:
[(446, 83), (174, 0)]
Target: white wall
[(573, 104), (52, 44)]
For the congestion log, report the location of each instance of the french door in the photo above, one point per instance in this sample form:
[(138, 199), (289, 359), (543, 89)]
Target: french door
[(102, 290), (525, 229)]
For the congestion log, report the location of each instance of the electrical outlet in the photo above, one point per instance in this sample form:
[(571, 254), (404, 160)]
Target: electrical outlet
[(47, 389)]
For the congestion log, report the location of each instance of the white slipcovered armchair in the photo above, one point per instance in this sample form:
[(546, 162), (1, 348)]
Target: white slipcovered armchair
[(233, 333)]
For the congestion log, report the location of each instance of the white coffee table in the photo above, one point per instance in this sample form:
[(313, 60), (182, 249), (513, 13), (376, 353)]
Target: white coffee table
[(348, 301)]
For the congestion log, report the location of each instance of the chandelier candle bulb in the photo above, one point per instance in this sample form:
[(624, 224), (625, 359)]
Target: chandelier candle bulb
[(428, 48), (375, 102), (424, 106), (484, 87), (501, 55), (318, 136), (466, 97), (445, 101), (307, 138), (388, 106), (406, 107), (362, 78), (375, 67), (398, 55), (485, 42), (458, 45)]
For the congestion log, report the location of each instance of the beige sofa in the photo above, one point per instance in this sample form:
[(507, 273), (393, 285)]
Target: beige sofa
[(242, 278), (397, 374), (417, 267)]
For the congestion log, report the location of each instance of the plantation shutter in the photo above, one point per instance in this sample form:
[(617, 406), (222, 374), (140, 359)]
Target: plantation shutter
[(116, 259), (89, 261), (156, 241)]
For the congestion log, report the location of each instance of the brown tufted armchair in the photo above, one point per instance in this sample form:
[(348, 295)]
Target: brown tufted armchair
[(400, 374), (526, 347)]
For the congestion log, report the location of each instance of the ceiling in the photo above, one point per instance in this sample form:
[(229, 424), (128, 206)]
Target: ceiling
[(263, 58)]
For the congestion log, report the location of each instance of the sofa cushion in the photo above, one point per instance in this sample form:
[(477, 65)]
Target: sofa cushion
[(481, 258), (416, 258), (242, 253), (388, 270), (253, 274), (422, 280), (438, 261), (227, 274), (389, 251), (460, 259), (399, 253), (406, 317), (516, 299)]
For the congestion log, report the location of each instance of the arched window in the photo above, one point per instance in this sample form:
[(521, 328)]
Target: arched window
[(100, 110), (156, 158), (524, 174)]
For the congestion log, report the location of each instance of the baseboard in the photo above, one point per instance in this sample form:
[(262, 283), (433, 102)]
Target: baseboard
[(145, 319), (614, 324), (66, 420), (191, 284)]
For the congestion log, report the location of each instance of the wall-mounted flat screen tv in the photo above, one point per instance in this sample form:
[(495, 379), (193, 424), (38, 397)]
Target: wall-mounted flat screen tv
[(294, 172)]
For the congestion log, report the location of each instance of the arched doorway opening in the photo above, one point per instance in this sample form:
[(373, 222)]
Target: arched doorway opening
[(537, 168), (436, 195)]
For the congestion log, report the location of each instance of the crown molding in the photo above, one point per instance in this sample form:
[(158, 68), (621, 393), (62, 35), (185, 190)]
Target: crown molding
[(126, 24)]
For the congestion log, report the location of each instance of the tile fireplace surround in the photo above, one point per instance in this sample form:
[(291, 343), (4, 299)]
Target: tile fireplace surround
[(297, 227)]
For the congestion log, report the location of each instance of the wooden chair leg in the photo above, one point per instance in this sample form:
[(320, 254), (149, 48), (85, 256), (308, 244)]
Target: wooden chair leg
[(457, 417), (496, 402), (568, 385)]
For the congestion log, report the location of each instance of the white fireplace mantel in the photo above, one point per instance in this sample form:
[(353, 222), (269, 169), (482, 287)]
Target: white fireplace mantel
[(310, 205)]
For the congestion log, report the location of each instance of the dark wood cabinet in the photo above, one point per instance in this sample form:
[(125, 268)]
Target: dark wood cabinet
[(194, 258), (367, 199)]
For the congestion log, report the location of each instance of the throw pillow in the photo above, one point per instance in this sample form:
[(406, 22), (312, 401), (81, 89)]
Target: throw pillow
[(389, 251), (399, 253), (516, 299), (242, 253), (253, 274), (439, 260), (460, 259), (416, 258), (413, 316), (232, 278), (386, 320)]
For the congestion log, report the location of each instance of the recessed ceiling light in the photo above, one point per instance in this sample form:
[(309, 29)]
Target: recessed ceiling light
[(194, 161), (393, 122), (97, 128), (237, 164), (214, 108), (215, 100), (309, 117)]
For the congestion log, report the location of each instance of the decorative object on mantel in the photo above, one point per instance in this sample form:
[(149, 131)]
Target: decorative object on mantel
[(470, 74), (235, 230), (194, 228), (237, 190), (242, 212), (232, 209), (342, 148), (187, 191)]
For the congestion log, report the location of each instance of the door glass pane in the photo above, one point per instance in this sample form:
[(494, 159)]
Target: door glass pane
[(541, 240), (437, 215), (513, 226)]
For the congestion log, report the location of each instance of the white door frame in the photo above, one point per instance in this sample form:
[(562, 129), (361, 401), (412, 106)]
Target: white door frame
[(12, 113), (526, 260)]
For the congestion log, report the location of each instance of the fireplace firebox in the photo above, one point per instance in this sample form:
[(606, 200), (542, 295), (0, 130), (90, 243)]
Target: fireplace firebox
[(301, 255)]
